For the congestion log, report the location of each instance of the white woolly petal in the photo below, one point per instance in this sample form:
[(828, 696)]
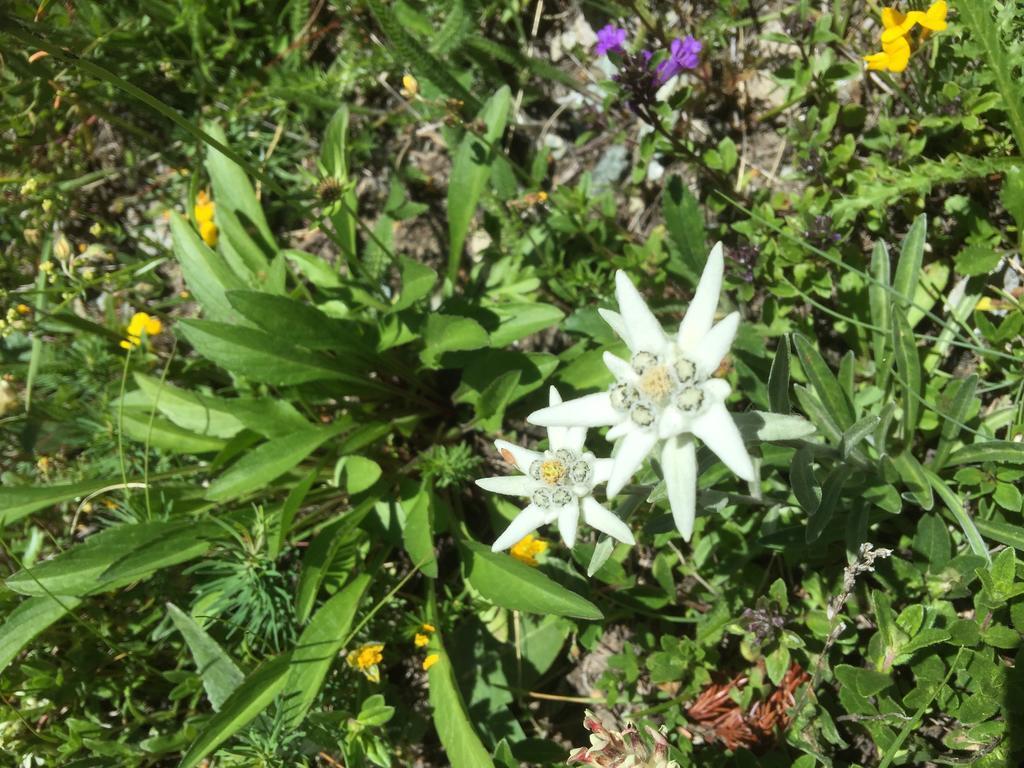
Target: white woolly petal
[(630, 455), (701, 313), (620, 369), (512, 485), (673, 422), (557, 436), (715, 345), (601, 519), (588, 411), (679, 463), (527, 521), (717, 390), (568, 522), (602, 470), (719, 432), (645, 331), (523, 457), (617, 323), (575, 437), (621, 429)]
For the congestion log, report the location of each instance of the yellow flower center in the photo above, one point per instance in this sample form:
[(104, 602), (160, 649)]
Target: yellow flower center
[(552, 471), (656, 383)]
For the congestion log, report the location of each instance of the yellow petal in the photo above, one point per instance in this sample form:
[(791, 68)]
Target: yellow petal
[(208, 231), (877, 61), (892, 18), (430, 661), (153, 326), (204, 212), (934, 18)]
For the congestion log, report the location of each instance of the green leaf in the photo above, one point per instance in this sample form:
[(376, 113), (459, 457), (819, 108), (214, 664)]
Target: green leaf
[(976, 16), (865, 682), (317, 271), (27, 620), (908, 268), (262, 466), (417, 282), (417, 530), (461, 744), (141, 425), (219, 673), (360, 473), (778, 379), (298, 322), (956, 508), (281, 521), (114, 557), (830, 493), (824, 383), (957, 397), (259, 356), (1005, 533), (450, 333), (196, 413), (232, 189), (913, 476), (932, 540), (17, 502), (999, 451), (977, 259), (249, 699), (471, 166), (521, 320), (803, 482), (318, 646), (908, 365), (206, 274), (511, 584), (685, 223), (248, 258), (858, 432), (880, 303), (490, 407)]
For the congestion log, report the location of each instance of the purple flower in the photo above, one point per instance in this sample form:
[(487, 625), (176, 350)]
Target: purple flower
[(610, 38), (683, 54)]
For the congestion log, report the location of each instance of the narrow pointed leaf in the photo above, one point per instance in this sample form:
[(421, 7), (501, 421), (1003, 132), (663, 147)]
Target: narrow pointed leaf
[(219, 673)]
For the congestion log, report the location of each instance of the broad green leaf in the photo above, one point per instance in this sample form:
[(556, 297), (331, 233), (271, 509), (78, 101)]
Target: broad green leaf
[(865, 682), (141, 425), (818, 414), (250, 698), (360, 473), (686, 230), (450, 333), (765, 427), (933, 282), (471, 166), (219, 673), (206, 274), (451, 719), (908, 268), (246, 256), (417, 530), (954, 407), (778, 379), (231, 186), (908, 366), (521, 320), (956, 508), (914, 478), (281, 522), (189, 410), (114, 557), (999, 451), (259, 356), (317, 271), (300, 323), (490, 407), (932, 540), (17, 502), (265, 464), (880, 302), (318, 646), (824, 383), (511, 584), (27, 620), (1005, 533), (417, 282)]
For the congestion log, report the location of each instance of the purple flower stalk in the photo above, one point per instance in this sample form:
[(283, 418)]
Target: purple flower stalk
[(611, 38), (683, 54)]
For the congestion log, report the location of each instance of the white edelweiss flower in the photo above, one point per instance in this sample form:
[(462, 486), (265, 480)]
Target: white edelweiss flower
[(559, 483), (664, 393)]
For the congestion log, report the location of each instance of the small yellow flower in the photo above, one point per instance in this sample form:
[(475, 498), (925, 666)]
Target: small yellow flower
[(897, 26), (203, 211), (208, 231), (96, 229), (62, 248), (428, 628), (367, 658), (420, 640), (430, 661), (23, 309), (527, 549), (139, 324), (410, 86)]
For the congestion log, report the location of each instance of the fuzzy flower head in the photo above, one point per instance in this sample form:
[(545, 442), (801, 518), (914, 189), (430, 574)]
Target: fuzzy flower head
[(665, 394), (683, 54), (609, 40), (559, 483)]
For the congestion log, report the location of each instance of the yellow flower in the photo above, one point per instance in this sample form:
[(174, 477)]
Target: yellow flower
[(428, 628), (420, 640), (430, 661), (203, 211), (896, 48), (139, 324), (527, 549), (23, 309), (410, 86), (367, 658)]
